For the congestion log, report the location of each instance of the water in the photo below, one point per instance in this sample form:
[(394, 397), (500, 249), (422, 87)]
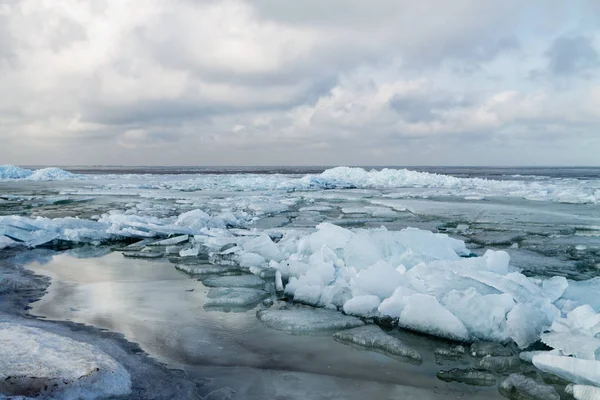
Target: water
[(160, 308)]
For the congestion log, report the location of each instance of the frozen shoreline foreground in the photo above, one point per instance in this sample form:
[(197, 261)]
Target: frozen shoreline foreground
[(370, 273)]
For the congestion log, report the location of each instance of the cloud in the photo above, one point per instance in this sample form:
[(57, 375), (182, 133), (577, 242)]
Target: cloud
[(271, 82), (570, 55)]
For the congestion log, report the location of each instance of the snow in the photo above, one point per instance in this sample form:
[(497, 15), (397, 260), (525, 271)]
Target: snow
[(33, 360)]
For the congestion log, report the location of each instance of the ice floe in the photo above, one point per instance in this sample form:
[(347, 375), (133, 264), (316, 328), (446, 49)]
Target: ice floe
[(304, 320), (518, 386), (373, 337)]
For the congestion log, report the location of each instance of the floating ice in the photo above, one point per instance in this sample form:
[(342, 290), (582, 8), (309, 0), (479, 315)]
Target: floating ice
[(469, 376), (171, 241), (518, 386), (583, 392), (585, 372), (243, 281), (233, 297), (13, 172), (482, 349), (304, 320), (499, 363), (39, 363), (371, 336)]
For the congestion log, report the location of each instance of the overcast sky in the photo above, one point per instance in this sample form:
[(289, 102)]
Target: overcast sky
[(275, 82)]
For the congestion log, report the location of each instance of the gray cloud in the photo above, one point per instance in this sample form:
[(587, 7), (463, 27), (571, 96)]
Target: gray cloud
[(271, 82), (572, 55)]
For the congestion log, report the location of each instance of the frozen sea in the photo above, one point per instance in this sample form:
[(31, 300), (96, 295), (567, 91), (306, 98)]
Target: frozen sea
[(240, 277)]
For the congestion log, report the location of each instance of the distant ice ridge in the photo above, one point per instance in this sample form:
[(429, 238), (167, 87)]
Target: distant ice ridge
[(561, 190), (45, 174)]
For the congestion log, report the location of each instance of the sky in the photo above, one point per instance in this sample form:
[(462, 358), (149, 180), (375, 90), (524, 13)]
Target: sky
[(311, 82)]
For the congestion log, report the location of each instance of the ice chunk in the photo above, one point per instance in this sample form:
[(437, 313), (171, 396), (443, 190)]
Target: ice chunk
[(35, 362), (328, 235), (554, 287), (264, 246), (499, 363), (380, 279), (13, 172), (573, 344), (208, 269), (170, 241), (518, 386), (583, 392), (304, 320), (482, 349), (469, 376), (246, 281), (451, 353), (363, 306), (190, 252), (525, 323), (249, 260), (6, 242), (585, 372), (52, 174), (425, 314), (394, 305), (483, 316), (143, 254), (234, 297), (584, 292), (372, 336)]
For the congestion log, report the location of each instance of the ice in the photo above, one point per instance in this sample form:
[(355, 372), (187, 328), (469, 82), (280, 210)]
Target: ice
[(143, 254), (482, 349), (584, 292), (234, 297), (525, 323), (371, 336), (13, 172), (263, 246), (171, 241), (573, 344), (585, 372), (380, 279), (518, 386), (499, 363), (583, 392), (208, 269), (469, 376), (304, 320), (483, 316), (362, 306), (43, 364), (6, 242), (52, 174), (425, 314), (243, 281)]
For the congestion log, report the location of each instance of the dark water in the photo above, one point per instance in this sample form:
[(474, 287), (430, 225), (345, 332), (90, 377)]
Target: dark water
[(498, 173)]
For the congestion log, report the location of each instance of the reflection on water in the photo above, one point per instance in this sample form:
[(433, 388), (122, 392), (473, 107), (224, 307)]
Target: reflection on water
[(161, 309)]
